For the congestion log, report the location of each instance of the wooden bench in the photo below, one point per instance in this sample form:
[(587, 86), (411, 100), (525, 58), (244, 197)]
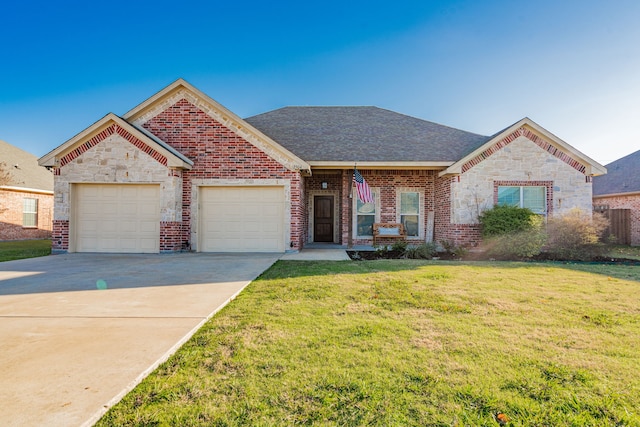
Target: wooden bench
[(388, 231)]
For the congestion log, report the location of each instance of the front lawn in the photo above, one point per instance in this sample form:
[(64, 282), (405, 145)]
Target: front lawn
[(404, 342), (19, 249)]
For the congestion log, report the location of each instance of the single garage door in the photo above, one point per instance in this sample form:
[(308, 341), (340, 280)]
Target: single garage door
[(242, 219), (121, 218)]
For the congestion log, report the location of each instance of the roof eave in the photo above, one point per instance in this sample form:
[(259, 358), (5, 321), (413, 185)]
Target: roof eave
[(380, 165), (593, 168), (228, 118), (627, 194), (174, 159), (25, 189)]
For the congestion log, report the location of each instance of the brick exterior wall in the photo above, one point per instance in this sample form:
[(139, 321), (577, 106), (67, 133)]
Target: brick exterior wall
[(60, 236), (220, 154), (631, 201), (11, 209)]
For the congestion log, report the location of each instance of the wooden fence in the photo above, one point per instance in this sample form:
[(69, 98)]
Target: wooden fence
[(619, 223)]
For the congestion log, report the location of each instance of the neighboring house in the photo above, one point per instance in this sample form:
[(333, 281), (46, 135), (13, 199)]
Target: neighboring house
[(181, 172), (26, 195), (620, 189)]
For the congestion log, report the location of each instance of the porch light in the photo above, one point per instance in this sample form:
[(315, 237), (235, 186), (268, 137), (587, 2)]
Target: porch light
[(325, 185)]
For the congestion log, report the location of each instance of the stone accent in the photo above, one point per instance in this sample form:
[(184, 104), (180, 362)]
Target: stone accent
[(115, 160), (523, 161), (533, 137)]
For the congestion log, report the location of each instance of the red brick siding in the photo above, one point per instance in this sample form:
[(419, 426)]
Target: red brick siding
[(11, 209), (467, 235), (625, 202), (219, 153), (60, 236), (171, 237), (387, 181)]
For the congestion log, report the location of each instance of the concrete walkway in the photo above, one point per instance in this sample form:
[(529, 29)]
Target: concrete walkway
[(318, 254), (79, 331)]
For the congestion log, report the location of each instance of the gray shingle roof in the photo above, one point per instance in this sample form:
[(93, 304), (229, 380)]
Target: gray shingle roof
[(623, 176), (24, 169), (361, 134)]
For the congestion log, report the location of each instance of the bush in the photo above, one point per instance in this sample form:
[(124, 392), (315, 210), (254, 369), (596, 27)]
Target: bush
[(399, 246), (518, 245), (450, 247), (423, 251), (576, 235), (503, 219)]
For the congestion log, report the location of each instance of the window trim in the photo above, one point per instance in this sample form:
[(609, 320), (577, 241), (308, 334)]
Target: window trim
[(421, 209), (547, 184), (33, 213), (375, 191)]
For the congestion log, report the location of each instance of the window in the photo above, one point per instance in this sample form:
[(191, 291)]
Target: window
[(410, 212), (366, 215), (534, 198), (30, 213)]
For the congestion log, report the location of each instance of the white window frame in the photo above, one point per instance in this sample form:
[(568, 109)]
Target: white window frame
[(521, 197), (29, 210), (376, 198), (399, 214)]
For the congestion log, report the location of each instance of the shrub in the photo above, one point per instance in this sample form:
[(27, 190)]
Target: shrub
[(453, 249), (399, 246), (576, 235), (502, 219), (423, 251), (518, 245)]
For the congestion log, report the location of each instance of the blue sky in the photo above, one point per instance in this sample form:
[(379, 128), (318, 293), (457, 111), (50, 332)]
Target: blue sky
[(571, 66)]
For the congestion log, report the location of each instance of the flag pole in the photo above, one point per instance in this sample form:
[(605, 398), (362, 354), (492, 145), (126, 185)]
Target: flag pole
[(350, 227)]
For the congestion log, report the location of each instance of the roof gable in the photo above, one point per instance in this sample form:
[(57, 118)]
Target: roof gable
[(367, 135), (538, 135), (23, 168), (180, 89), (622, 177), (109, 125)]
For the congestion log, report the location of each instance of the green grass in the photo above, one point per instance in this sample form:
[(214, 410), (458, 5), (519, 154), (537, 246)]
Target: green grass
[(19, 249), (620, 251), (408, 343)]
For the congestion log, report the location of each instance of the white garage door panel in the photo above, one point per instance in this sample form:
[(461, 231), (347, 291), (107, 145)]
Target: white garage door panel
[(117, 218), (242, 219)]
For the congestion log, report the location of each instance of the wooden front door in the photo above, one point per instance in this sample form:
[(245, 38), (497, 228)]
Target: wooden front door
[(323, 219)]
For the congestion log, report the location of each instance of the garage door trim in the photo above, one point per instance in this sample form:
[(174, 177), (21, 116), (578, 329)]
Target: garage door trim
[(197, 185)]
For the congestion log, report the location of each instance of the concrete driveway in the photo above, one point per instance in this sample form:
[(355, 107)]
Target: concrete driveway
[(78, 331)]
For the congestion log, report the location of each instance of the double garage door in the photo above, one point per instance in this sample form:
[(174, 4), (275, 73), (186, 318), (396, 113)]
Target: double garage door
[(125, 218)]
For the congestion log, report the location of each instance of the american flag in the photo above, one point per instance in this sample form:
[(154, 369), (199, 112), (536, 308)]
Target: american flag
[(364, 192)]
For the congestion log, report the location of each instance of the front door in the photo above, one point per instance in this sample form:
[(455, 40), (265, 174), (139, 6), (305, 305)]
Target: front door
[(323, 219)]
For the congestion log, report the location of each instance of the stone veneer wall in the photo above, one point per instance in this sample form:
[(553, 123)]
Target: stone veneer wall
[(631, 201), (520, 161), (114, 159), (11, 208)]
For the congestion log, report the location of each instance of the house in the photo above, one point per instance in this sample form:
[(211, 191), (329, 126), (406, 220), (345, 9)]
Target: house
[(182, 172), (26, 195), (620, 189)]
